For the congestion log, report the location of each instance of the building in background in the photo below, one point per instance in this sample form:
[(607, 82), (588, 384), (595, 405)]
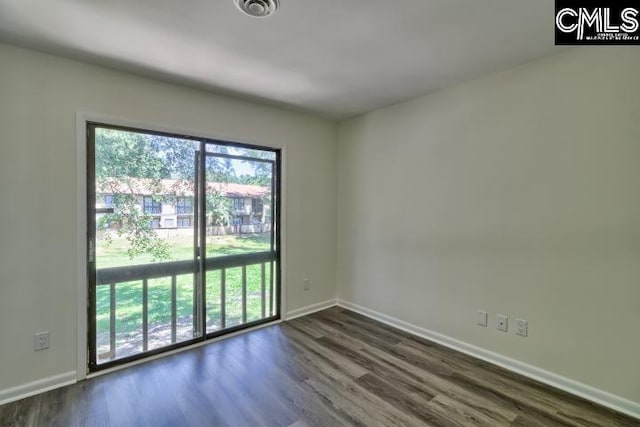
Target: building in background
[(231, 208)]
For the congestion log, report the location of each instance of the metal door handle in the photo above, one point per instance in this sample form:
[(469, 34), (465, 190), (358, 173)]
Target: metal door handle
[(104, 210)]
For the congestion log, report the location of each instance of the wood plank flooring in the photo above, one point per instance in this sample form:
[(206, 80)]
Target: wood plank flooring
[(332, 368)]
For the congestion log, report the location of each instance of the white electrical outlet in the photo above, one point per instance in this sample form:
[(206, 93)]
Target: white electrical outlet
[(307, 284), (502, 322), (521, 327), (41, 340), (482, 318)]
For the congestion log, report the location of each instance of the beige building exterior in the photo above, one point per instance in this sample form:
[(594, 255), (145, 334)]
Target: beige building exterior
[(170, 204)]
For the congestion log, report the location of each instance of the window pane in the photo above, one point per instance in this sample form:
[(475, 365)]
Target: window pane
[(238, 201)]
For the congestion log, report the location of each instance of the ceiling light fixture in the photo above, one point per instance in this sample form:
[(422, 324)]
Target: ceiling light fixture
[(258, 8)]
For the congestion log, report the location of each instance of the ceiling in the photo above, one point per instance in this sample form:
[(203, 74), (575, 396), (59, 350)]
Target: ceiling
[(334, 58)]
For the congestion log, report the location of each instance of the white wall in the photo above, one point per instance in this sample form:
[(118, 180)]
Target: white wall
[(39, 97), (518, 193)]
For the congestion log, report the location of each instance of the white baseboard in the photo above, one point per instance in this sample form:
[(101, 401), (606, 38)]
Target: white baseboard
[(310, 309), (36, 387), (585, 391)]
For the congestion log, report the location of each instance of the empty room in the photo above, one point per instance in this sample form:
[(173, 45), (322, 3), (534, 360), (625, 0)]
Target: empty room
[(309, 213)]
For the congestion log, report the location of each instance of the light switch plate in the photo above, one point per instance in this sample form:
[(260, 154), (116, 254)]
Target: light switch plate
[(521, 327), (482, 318)]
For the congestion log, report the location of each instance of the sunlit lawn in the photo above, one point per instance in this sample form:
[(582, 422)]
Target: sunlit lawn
[(129, 295), (114, 254)]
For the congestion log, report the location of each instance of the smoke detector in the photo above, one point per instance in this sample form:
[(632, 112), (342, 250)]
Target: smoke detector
[(258, 8)]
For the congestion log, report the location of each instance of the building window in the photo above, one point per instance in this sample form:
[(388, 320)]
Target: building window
[(169, 223), (238, 203), (155, 222), (184, 205), (257, 206), (108, 200), (152, 206), (184, 222)]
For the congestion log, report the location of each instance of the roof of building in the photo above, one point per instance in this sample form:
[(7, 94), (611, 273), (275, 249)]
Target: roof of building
[(178, 187)]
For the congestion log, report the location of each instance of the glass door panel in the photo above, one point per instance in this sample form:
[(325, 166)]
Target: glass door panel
[(240, 243), (145, 279)]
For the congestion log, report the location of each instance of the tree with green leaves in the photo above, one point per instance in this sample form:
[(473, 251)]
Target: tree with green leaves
[(128, 164), (123, 161)]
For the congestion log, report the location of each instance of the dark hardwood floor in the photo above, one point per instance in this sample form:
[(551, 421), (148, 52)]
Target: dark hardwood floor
[(331, 368)]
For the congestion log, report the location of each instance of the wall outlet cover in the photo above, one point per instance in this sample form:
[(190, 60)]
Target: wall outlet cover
[(502, 322), (41, 341)]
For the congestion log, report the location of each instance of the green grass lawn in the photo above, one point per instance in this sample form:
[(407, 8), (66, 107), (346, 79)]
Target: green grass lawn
[(114, 254), (129, 295)]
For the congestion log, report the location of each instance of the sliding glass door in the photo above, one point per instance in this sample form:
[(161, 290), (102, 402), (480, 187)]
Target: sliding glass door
[(239, 237), (183, 240)]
